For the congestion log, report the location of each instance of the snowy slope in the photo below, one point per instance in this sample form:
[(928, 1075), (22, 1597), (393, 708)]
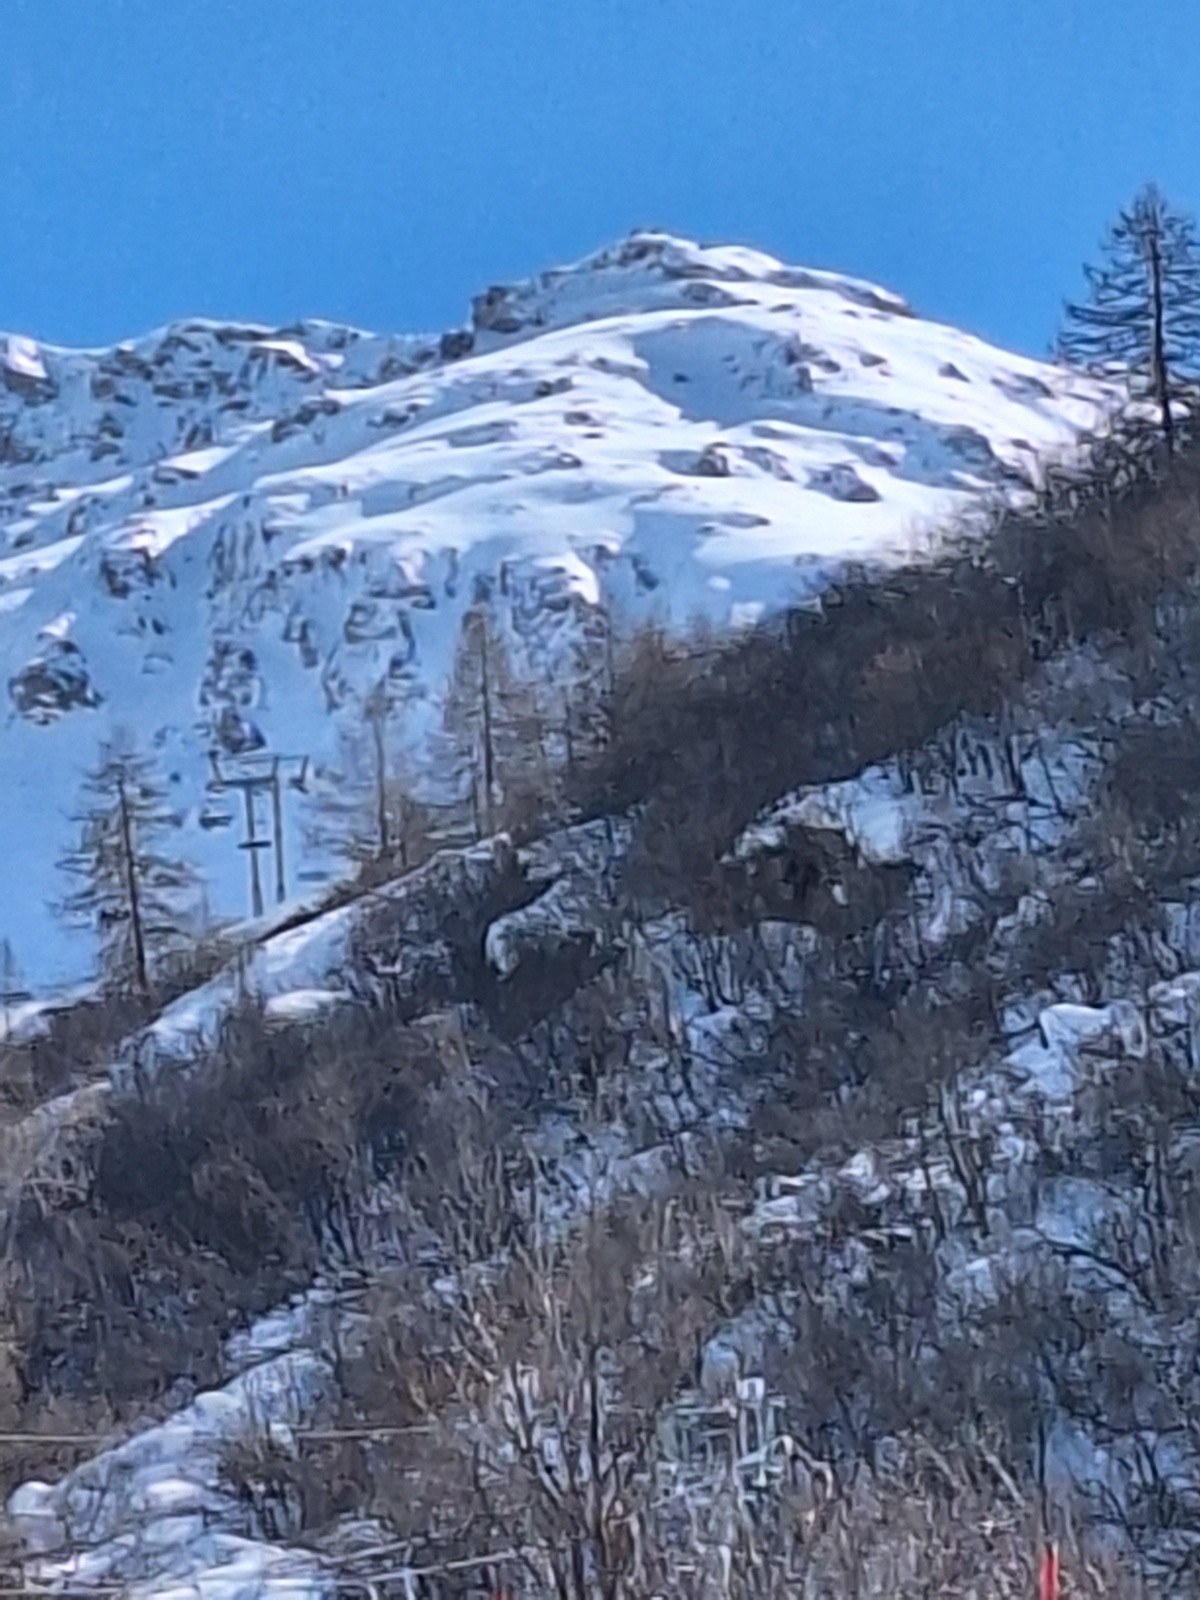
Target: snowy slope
[(223, 536)]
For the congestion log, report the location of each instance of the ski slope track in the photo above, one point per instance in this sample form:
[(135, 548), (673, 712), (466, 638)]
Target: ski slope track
[(224, 536)]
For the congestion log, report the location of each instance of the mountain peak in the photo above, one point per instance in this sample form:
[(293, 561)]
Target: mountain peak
[(229, 535), (654, 271)]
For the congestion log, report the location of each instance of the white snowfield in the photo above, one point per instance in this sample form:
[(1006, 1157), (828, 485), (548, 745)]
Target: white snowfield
[(223, 536)]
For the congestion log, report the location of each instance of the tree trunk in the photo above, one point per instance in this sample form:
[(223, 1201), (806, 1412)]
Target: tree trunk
[(1159, 354), (141, 974), (383, 839), (489, 748)]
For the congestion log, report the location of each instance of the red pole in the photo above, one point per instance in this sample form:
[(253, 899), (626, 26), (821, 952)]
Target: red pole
[(1048, 1579)]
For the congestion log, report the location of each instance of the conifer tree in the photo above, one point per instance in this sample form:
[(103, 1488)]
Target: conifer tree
[(1142, 311), (132, 891), (368, 814), (587, 692), (494, 727)]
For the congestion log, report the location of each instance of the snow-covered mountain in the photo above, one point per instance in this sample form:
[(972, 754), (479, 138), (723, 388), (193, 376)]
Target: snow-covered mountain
[(223, 536)]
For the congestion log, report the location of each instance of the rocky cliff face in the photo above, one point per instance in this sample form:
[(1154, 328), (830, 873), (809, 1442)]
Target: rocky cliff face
[(226, 537)]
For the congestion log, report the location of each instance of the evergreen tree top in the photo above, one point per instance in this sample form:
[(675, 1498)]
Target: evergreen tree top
[(1149, 270)]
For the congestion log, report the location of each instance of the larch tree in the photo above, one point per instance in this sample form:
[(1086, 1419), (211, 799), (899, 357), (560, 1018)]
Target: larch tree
[(1142, 310), (494, 727), (368, 814), (586, 696), (133, 892)]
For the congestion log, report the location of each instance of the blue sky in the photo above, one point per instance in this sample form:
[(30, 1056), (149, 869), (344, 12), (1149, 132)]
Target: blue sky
[(379, 161)]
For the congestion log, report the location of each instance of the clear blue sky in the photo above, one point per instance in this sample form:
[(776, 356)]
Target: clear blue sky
[(379, 161)]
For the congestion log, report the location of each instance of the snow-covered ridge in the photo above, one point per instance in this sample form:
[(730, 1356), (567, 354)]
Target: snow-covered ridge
[(224, 535)]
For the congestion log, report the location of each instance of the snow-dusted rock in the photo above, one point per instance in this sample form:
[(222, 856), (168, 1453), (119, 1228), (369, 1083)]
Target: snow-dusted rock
[(250, 528), (153, 1507)]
